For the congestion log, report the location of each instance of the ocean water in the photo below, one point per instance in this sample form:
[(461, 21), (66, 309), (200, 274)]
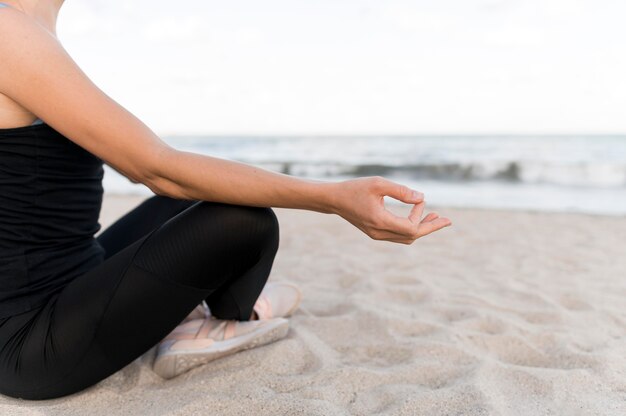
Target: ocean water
[(543, 173)]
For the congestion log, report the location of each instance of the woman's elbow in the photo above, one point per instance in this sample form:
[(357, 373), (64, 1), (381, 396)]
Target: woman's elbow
[(154, 177), (164, 187)]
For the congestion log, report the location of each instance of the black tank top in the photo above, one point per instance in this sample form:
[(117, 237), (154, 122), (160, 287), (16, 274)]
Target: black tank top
[(50, 200)]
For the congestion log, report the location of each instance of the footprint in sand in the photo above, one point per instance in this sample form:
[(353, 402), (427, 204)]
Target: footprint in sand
[(515, 350), (542, 318), (401, 280), (290, 357), (486, 325), (405, 295), (457, 314), (348, 280), (330, 309), (574, 303), (412, 328), (375, 355)]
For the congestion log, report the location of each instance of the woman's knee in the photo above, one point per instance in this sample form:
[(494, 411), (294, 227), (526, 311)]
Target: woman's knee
[(269, 226), (257, 223)]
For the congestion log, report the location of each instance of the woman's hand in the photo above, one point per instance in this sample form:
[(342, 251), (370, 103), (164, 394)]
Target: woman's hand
[(361, 202)]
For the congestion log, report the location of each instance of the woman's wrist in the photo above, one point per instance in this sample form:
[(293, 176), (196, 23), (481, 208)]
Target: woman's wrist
[(324, 197)]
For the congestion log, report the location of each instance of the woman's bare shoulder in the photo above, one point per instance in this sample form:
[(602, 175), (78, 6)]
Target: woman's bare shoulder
[(37, 73), (9, 17), (21, 33)]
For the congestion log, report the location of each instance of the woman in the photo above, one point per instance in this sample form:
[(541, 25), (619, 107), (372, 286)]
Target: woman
[(74, 309)]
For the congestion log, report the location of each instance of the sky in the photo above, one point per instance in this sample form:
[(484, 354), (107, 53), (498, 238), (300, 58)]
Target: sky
[(282, 67)]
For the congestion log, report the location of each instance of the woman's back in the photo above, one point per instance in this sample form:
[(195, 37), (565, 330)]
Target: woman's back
[(50, 200)]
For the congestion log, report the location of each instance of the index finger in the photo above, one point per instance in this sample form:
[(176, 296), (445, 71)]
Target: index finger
[(428, 227), (416, 212)]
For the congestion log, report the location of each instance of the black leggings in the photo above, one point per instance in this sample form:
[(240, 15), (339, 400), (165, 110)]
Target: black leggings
[(162, 259)]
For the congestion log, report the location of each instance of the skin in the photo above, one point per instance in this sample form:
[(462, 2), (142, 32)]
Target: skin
[(38, 77)]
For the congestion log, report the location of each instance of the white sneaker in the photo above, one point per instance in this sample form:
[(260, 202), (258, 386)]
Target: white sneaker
[(199, 341), (278, 299)]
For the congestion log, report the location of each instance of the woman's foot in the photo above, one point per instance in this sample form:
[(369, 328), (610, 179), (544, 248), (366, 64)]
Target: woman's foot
[(278, 299), (199, 341)]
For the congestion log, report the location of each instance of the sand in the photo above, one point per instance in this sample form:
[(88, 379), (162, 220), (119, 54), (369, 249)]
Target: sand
[(505, 313)]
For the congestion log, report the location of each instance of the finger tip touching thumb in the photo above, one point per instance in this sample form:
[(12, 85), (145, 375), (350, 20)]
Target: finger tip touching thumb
[(417, 196)]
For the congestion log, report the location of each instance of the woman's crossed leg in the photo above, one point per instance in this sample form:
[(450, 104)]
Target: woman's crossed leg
[(106, 318)]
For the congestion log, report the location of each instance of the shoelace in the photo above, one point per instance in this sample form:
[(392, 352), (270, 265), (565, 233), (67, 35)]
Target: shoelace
[(210, 328)]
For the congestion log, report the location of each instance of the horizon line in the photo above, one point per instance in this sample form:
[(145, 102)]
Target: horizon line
[(325, 134)]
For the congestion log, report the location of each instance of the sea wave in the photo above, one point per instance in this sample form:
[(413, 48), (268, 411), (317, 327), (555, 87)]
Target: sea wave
[(535, 172), (612, 175)]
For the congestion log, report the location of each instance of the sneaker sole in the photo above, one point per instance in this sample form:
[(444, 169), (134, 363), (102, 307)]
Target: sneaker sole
[(169, 364)]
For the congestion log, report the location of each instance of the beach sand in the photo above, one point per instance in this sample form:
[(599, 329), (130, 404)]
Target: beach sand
[(504, 313)]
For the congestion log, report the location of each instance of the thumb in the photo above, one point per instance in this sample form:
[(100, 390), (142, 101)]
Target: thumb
[(402, 193)]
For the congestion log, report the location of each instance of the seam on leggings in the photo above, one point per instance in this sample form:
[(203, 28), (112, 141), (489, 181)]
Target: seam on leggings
[(117, 285), (98, 324)]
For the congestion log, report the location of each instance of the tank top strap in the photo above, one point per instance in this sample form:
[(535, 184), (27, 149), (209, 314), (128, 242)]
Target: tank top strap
[(4, 5)]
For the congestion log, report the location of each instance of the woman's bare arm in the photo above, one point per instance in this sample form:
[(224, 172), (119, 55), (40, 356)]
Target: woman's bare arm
[(37, 72)]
